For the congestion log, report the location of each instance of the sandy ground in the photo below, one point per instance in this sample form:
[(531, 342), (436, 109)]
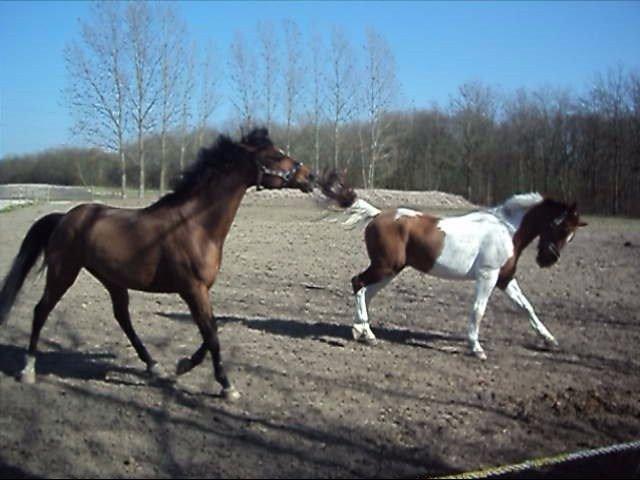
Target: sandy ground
[(314, 403)]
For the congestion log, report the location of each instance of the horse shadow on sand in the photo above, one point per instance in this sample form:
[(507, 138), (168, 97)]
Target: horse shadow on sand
[(335, 334), (59, 362)]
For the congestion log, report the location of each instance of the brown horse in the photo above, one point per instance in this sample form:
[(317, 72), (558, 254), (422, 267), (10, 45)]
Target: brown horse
[(172, 246), (483, 246)]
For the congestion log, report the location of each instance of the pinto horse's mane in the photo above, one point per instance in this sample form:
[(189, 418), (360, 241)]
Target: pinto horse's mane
[(218, 159), (513, 209)]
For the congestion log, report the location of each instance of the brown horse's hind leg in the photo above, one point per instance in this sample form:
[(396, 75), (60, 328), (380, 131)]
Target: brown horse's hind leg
[(198, 301), (120, 300), (60, 277)]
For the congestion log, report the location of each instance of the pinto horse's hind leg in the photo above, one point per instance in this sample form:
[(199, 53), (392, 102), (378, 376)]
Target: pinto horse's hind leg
[(120, 300), (485, 283), (365, 286), (60, 277), (198, 301), (515, 294)]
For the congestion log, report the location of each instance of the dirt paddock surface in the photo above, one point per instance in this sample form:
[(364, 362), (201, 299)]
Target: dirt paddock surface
[(314, 403)]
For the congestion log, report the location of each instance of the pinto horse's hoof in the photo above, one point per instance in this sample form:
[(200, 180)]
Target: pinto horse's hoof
[(28, 373), (230, 394), (480, 354), (369, 340), (551, 343), (183, 366), (27, 377), (363, 333)]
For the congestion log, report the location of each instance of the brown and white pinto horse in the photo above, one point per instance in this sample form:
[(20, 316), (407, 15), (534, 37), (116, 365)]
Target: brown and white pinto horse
[(173, 246), (483, 246)]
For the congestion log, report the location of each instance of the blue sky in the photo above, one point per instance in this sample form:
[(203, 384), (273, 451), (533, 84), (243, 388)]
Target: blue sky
[(438, 46)]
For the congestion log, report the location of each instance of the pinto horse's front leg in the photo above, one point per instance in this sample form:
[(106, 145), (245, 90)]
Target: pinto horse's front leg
[(485, 283), (515, 294)]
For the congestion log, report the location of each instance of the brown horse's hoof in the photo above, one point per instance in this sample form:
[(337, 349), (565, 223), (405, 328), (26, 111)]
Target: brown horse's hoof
[(183, 366), (230, 394), (158, 373)]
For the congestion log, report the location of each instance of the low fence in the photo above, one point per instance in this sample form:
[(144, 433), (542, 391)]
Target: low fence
[(44, 192)]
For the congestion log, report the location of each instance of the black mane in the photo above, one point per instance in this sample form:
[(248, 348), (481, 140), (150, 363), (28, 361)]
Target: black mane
[(218, 159), (257, 138)]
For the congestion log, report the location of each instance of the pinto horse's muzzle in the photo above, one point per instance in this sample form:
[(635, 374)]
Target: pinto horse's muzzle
[(548, 254)]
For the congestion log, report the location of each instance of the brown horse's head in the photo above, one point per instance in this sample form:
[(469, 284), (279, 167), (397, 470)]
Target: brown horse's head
[(276, 169), (557, 232)]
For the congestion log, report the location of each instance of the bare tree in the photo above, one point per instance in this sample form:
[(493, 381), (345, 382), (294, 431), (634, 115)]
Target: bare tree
[(141, 23), (172, 66), (381, 89), (341, 86), (269, 55), (98, 80), (608, 98), (317, 82), (242, 73), (186, 88), (293, 75), (209, 97), (474, 109)]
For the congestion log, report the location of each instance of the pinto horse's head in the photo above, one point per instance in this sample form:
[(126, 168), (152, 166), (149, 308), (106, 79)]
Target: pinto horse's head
[(556, 233), (275, 168), (335, 187)]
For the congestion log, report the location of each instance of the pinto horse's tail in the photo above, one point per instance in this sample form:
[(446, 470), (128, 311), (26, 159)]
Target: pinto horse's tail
[(335, 188), (32, 247)]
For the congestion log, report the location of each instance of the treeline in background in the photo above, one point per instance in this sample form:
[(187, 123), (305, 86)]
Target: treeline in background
[(144, 96)]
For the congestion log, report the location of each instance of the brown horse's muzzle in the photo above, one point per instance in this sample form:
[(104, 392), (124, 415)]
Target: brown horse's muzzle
[(304, 179)]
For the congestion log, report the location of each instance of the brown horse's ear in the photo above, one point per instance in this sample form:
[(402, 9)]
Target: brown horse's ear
[(249, 148)]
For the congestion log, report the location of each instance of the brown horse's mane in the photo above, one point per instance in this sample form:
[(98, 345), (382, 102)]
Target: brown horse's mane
[(222, 157)]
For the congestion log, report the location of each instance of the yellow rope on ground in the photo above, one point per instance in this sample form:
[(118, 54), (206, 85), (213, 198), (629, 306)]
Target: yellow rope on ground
[(544, 462)]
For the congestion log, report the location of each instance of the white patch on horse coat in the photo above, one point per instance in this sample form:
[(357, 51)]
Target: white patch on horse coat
[(406, 212), (481, 240), (473, 242)]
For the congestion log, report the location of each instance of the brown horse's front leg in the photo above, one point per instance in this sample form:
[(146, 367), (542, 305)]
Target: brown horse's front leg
[(186, 364), (198, 300)]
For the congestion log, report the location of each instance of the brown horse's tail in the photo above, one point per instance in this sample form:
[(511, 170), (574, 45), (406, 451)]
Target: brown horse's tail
[(32, 247)]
